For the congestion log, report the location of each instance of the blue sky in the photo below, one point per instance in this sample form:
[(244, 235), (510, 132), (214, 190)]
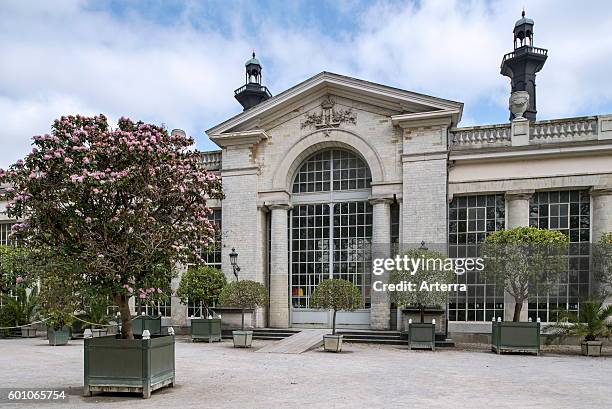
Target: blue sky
[(178, 62)]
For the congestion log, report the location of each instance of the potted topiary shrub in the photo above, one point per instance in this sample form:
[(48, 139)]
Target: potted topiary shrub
[(243, 294), (336, 295), (113, 211), (422, 298), (58, 304), (591, 324), (57, 322), (518, 259), (202, 285)]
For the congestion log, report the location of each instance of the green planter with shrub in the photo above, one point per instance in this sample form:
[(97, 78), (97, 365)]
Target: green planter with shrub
[(202, 286), (422, 335)]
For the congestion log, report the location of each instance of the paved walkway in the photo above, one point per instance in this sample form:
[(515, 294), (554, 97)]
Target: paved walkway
[(364, 376)]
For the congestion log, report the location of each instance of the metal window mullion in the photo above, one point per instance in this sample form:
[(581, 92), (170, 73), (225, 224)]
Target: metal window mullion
[(331, 239)]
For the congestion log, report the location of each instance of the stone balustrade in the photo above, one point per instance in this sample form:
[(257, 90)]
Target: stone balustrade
[(211, 160), (493, 135), (572, 128), (589, 128)]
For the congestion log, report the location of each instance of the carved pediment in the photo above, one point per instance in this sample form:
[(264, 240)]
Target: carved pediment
[(329, 116)]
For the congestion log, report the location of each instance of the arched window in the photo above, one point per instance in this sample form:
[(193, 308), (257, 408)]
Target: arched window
[(336, 169), (331, 224)]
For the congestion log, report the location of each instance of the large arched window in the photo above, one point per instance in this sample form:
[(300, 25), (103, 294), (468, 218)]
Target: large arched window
[(331, 224)]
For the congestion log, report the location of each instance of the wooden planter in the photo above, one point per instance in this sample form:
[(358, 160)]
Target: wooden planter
[(422, 336), (515, 337), (113, 364), (142, 322), (208, 329), (58, 337)]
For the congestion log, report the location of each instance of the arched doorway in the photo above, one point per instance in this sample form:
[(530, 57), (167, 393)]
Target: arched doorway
[(330, 233)]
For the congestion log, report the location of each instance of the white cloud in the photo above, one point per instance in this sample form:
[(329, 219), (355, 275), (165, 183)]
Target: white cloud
[(66, 57)]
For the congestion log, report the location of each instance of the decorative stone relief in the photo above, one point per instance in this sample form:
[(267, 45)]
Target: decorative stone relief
[(519, 102), (329, 117)]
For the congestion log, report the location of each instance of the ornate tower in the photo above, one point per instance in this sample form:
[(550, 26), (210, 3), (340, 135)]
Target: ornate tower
[(522, 64), (252, 92)]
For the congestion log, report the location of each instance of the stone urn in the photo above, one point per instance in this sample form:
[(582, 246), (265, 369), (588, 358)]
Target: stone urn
[(519, 102)]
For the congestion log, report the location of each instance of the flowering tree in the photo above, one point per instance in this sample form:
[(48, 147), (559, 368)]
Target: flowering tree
[(116, 209)]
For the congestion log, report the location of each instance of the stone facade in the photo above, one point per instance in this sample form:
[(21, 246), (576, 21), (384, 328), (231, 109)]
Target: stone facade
[(418, 159)]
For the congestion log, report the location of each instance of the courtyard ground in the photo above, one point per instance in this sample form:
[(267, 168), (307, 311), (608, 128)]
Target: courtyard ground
[(364, 376)]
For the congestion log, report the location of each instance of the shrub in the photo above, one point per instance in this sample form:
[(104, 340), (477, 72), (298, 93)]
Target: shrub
[(243, 294), (592, 323), (201, 284), (522, 257), (421, 298), (337, 295)]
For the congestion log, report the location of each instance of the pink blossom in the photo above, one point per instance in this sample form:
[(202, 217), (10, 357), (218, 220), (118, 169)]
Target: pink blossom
[(159, 290), (86, 160), (130, 290), (19, 280), (142, 295)]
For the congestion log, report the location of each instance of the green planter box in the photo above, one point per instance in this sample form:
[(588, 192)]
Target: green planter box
[(113, 364), (206, 329), (422, 336), (58, 337), (142, 322), (509, 336)]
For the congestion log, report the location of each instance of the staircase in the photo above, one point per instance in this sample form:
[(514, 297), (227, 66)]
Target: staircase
[(356, 336)]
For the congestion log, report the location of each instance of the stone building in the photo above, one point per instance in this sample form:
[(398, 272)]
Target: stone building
[(316, 175)]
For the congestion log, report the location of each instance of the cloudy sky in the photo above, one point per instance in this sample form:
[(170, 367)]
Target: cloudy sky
[(178, 62)]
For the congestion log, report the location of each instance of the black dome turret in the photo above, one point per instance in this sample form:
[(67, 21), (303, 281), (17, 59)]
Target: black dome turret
[(252, 93)]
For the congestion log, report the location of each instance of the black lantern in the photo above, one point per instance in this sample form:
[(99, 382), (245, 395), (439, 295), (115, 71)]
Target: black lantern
[(234, 262)]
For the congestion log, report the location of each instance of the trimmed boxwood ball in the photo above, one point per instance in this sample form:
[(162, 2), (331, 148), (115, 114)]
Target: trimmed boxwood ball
[(243, 294), (336, 295)]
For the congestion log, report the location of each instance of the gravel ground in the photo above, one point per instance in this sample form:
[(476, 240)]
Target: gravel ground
[(364, 376)]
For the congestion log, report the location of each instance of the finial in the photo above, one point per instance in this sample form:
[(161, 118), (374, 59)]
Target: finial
[(523, 13), (254, 50)]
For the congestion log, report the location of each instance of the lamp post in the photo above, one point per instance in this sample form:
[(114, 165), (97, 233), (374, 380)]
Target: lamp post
[(234, 262)]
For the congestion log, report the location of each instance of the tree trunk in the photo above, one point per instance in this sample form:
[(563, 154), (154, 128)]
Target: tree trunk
[(126, 316), (242, 325), (334, 323), (518, 306)]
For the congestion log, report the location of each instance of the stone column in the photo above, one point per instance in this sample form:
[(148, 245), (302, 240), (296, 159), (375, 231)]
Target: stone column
[(601, 199), (279, 267), (517, 215), (381, 247), (179, 310)]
